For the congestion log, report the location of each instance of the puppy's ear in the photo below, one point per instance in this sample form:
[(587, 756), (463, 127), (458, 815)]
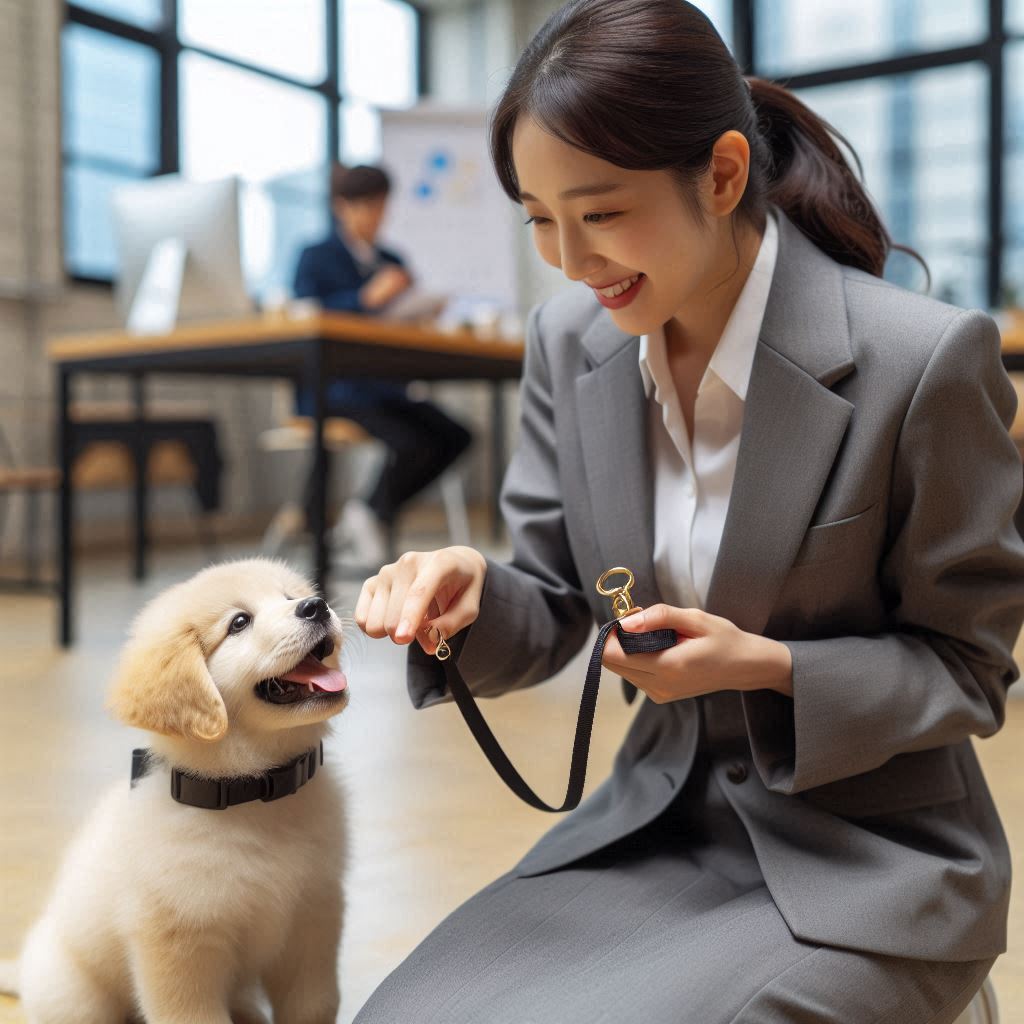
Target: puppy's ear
[(162, 685)]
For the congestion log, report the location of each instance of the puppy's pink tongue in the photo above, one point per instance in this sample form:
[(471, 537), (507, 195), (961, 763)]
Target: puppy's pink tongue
[(312, 671)]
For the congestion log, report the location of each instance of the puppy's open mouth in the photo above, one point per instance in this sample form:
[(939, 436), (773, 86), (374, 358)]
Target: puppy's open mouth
[(309, 679)]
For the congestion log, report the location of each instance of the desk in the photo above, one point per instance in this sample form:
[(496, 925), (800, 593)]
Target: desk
[(1013, 347), (309, 351)]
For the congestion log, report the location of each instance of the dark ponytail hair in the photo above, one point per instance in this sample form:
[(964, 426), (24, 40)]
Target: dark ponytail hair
[(649, 85)]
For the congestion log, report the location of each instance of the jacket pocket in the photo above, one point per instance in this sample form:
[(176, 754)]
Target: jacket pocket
[(832, 542), (904, 782)]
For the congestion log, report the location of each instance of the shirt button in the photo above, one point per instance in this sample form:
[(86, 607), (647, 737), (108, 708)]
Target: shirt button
[(736, 772)]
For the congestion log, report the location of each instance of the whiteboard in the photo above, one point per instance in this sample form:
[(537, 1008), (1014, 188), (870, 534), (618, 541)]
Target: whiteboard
[(447, 216)]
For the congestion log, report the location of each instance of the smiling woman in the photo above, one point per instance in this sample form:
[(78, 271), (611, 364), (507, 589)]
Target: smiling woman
[(736, 400)]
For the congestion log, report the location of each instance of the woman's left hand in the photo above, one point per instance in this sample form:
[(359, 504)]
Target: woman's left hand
[(711, 654)]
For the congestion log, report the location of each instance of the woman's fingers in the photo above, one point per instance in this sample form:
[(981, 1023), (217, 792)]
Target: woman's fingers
[(456, 575), (378, 609), (441, 588), (363, 603)]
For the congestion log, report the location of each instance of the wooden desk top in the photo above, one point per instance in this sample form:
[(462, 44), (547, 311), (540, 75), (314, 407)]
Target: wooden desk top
[(276, 328), (1013, 338)]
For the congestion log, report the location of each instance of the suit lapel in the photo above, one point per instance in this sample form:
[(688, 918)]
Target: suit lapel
[(793, 425), (612, 409)]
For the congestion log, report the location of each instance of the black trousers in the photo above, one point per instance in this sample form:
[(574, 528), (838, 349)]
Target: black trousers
[(422, 440)]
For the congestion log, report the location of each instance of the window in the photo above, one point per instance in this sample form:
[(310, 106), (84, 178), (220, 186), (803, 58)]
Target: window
[(288, 38), (111, 135), (804, 35), (1012, 282), (922, 141), (378, 56), (236, 88), (914, 86)]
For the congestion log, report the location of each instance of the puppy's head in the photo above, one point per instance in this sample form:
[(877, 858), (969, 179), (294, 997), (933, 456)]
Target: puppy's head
[(248, 642)]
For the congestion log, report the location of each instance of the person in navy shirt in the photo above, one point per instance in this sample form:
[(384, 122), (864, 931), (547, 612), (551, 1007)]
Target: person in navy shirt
[(349, 272)]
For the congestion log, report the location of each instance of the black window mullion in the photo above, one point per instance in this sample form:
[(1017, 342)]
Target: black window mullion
[(333, 42), (743, 29), (997, 100), (170, 48), (113, 27)]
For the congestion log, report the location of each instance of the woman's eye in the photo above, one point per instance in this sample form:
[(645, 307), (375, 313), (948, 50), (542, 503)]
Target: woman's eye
[(590, 218), (239, 622)]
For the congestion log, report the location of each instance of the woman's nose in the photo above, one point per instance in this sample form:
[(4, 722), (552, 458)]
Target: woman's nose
[(313, 608), (576, 261)]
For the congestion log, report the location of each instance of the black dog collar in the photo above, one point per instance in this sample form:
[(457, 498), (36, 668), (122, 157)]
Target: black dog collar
[(216, 794)]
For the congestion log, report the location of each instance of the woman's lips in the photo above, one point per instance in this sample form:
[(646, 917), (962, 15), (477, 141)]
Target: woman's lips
[(625, 298)]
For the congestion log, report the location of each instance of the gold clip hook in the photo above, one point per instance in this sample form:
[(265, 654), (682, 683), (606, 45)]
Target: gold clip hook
[(622, 602), (443, 651)]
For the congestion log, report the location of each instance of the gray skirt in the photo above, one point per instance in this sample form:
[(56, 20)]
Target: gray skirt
[(672, 924)]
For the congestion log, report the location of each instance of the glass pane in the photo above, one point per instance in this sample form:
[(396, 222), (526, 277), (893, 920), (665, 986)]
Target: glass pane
[(1015, 15), (89, 247), (299, 218), (1013, 175), (287, 37), (274, 136), (241, 122), (144, 13), (922, 140), (720, 14), (360, 133), (111, 98), (379, 52), (801, 35)]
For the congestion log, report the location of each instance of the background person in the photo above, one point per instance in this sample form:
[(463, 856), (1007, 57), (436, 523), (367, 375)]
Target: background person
[(349, 272)]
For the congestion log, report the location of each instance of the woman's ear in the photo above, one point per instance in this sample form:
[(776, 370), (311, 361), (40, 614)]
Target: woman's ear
[(163, 685)]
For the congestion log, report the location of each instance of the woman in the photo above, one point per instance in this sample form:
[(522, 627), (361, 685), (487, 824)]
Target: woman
[(796, 828)]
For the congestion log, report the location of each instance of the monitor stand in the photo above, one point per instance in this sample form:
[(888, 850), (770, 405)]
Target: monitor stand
[(154, 308)]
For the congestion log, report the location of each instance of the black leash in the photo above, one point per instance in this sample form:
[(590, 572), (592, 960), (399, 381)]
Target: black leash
[(632, 643)]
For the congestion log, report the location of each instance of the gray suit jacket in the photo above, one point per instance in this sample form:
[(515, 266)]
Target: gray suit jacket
[(870, 529)]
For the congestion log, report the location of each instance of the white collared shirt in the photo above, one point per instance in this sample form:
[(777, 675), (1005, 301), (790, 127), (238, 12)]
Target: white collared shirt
[(692, 482)]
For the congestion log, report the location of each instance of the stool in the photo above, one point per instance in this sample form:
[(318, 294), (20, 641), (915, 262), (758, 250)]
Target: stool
[(340, 435)]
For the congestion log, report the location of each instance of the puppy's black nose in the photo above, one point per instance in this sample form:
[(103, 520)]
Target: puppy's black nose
[(313, 608)]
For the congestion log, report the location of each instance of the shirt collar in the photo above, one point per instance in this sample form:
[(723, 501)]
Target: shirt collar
[(733, 357)]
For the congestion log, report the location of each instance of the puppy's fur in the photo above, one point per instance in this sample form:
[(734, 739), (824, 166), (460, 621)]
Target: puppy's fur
[(168, 913)]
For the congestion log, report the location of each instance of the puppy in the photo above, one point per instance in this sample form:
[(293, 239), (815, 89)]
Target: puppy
[(170, 913)]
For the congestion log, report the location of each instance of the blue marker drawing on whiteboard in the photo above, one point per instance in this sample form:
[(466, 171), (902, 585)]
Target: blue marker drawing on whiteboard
[(439, 160)]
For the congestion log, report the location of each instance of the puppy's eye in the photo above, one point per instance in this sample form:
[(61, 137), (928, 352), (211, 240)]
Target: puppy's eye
[(239, 622)]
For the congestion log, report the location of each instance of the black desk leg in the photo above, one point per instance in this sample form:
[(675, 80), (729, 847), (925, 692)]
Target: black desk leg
[(317, 386), (497, 456), (65, 518), (140, 455)]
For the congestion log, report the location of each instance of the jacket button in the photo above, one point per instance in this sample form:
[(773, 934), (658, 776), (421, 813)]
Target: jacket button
[(736, 772)]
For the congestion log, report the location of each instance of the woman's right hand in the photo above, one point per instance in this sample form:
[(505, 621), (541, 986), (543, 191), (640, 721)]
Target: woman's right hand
[(422, 593)]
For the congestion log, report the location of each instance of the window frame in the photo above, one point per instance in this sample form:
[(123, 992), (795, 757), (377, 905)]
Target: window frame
[(989, 51), (169, 47)]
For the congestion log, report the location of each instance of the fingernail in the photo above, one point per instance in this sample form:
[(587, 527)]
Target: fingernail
[(403, 628)]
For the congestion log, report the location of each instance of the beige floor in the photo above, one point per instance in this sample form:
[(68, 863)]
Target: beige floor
[(431, 822)]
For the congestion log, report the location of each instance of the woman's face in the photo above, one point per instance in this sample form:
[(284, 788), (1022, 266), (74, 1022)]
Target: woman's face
[(607, 226)]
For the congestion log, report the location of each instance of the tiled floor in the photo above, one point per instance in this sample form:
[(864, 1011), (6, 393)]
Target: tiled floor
[(431, 822)]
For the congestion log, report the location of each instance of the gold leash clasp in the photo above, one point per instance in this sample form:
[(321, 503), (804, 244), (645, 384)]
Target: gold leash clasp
[(622, 602), (443, 651)]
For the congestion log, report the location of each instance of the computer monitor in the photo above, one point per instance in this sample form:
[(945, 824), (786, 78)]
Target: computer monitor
[(179, 251)]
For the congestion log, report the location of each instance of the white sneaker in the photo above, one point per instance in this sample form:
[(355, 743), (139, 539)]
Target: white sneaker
[(361, 535)]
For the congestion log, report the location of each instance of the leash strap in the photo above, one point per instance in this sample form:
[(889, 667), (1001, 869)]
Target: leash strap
[(632, 643)]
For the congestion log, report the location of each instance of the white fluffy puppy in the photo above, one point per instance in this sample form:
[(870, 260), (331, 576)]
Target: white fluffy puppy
[(173, 913)]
